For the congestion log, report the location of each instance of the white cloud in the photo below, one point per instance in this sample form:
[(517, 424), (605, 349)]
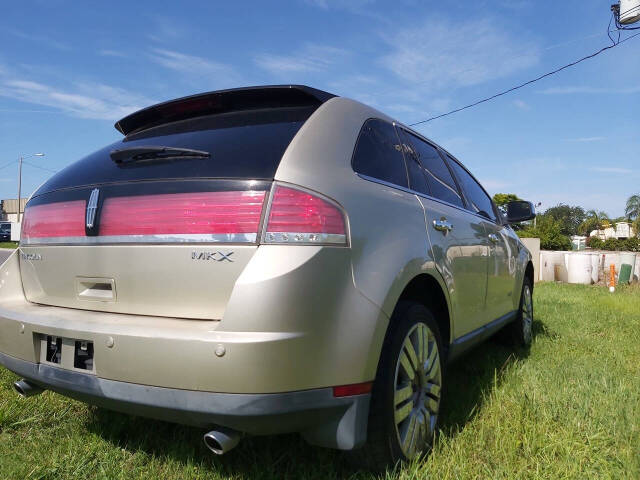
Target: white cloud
[(494, 186), (167, 29), (441, 53), (41, 39), (192, 65), (515, 4), (455, 144), (521, 104), (310, 58), (85, 100), (611, 170), (105, 52), (341, 4), (571, 90), (586, 139)]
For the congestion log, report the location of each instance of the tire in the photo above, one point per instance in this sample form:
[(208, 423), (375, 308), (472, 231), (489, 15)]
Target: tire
[(403, 415), (520, 331)]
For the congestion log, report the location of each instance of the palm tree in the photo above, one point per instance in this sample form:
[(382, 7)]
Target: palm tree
[(632, 210), (599, 217), (594, 220)]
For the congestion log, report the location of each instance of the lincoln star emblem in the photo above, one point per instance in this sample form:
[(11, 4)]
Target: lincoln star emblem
[(92, 206)]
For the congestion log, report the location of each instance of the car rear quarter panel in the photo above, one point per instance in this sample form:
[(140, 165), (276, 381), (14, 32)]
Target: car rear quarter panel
[(389, 245)]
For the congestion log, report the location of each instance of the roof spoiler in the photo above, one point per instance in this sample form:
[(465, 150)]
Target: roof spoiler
[(222, 101)]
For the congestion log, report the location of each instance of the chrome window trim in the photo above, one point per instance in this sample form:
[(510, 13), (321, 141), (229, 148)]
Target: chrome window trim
[(420, 194), (442, 150)]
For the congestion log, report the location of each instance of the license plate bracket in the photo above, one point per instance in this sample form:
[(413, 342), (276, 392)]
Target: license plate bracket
[(67, 353)]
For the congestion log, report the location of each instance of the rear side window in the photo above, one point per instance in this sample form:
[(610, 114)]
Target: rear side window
[(479, 201), (439, 177), (417, 178), (378, 153)]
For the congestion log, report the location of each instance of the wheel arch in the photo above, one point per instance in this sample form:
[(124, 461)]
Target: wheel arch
[(529, 273), (428, 291)]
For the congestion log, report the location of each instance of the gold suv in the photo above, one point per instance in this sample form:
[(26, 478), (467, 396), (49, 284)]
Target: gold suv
[(260, 261)]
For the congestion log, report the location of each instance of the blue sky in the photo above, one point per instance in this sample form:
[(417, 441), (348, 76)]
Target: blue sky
[(67, 72)]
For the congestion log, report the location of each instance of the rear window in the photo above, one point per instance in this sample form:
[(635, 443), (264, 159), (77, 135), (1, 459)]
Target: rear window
[(243, 145), (378, 153)]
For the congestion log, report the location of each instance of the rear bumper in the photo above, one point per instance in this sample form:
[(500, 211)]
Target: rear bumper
[(288, 326), (320, 417)]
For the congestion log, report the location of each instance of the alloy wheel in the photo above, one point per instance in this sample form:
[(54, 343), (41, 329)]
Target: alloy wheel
[(418, 382)]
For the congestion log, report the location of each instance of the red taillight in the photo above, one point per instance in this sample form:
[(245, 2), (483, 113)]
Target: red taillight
[(296, 216), (229, 216), (60, 219), (355, 389)]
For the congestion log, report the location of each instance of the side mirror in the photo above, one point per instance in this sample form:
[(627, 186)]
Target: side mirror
[(520, 211)]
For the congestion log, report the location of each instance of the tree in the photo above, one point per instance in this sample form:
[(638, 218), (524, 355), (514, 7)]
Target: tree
[(501, 199), (549, 231), (568, 217), (595, 220), (632, 210)]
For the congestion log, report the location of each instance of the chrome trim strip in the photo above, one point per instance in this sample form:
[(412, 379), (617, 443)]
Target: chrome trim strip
[(424, 195), (158, 238), (305, 238)]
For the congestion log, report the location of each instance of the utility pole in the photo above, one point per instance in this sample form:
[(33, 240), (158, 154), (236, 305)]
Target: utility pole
[(536, 212), (19, 186), (20, 180)]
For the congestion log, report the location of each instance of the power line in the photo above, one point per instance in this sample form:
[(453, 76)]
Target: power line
[(504, 92), (38, 166), (7, 164)]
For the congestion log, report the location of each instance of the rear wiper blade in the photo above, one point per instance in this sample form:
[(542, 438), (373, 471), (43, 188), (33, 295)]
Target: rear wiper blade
[(154, 152)]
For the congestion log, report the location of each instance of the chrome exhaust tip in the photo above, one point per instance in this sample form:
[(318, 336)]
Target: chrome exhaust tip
[(26, 389), (222, 440)]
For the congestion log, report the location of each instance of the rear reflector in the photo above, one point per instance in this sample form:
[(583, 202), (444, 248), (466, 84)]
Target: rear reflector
[(204, 216), (355, 389), (297, 216), (54, 220)]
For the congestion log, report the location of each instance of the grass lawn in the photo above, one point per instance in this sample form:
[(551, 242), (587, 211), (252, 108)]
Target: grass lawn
[(8, 244), (567, 408)]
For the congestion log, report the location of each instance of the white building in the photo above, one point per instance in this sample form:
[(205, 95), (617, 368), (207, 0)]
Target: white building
[(621, 230), (9, 209)]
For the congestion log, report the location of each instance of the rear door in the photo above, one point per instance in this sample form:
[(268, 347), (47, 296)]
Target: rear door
[(160, 235), (501, 265), (458, 240)]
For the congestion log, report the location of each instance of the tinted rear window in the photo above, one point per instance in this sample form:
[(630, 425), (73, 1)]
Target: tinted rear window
[(378, 153), (243, 145)]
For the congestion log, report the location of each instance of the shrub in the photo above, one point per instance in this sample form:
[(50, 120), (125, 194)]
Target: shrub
[(549, 231), (614, 244), (595, 242)]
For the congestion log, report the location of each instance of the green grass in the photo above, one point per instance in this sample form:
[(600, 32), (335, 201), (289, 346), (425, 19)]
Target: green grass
[(8, 244), (567, 408)]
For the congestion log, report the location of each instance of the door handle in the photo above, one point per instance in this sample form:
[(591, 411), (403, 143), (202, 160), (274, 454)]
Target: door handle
[(493, 237), (442, 225)]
